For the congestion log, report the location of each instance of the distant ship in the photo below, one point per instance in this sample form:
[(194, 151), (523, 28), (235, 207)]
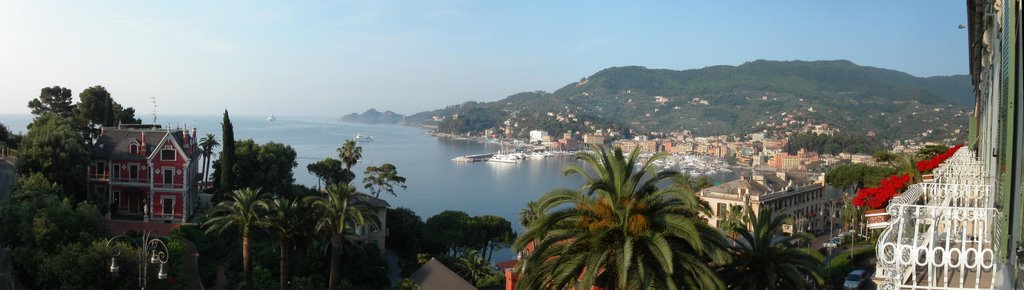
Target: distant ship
[(271, 118), (361, 138)]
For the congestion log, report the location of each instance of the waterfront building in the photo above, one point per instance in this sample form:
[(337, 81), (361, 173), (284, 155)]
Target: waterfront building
[(962, 229), (539, 136), (593, 139), (146, 172), (801, 195)]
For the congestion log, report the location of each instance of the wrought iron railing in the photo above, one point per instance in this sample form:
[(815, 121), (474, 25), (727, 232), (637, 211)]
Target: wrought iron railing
[(943, 234)]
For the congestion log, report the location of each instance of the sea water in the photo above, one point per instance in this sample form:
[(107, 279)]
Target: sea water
[(434, 183)]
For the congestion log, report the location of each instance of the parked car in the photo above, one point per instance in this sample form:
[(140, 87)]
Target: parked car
[(855, 280)]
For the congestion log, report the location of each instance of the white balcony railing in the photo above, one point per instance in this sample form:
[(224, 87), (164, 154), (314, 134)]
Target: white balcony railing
[(943, 234)]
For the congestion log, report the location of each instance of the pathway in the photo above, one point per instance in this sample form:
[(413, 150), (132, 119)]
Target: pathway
[(6, 179), (190, 265)]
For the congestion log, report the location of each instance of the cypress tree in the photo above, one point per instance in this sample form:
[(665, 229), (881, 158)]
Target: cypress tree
[(227, 158)]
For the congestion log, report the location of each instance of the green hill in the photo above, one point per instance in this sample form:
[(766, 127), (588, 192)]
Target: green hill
[(730, 100)]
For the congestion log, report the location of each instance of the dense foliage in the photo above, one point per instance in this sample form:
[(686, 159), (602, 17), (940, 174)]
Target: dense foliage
[(58, 244), (55, 149), (764, 260), (268, 166), (95, 108), (731, 99), (227, 176)]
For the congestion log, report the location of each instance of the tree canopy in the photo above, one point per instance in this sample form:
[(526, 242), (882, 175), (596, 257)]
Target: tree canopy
[(56, 150), (268, 166), (227, 157), (53, 99), (383, 179)]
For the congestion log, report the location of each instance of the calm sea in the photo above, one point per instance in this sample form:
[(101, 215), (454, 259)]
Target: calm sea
[(435, 183)]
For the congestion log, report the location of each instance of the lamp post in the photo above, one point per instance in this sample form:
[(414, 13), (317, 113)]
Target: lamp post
[(151, 251), (831, 204)]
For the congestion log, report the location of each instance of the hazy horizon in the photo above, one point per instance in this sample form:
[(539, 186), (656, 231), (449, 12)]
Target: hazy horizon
[(331, 59)]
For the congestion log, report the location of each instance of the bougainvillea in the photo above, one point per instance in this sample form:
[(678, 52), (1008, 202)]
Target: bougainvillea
[(932, 163), (879, 196)]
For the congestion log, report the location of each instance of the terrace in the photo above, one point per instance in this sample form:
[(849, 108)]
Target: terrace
[(944, 233)]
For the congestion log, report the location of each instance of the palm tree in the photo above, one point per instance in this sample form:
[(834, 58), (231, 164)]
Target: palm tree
[(338, 210), (350, 154), (733, 218), (765, 260), (529, 214), (689, 184), (287, 219), (472, 266), (207, 143), (620, 231), (243, 211)]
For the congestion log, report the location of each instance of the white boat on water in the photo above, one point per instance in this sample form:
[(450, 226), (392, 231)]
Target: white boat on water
[(538, 155), (271, 118), (503, 158), (361, 138)]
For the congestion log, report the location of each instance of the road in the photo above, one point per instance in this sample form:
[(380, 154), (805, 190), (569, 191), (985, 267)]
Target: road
[(6, 179)]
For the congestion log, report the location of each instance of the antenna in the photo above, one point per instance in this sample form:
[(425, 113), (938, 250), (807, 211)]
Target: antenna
[(154, 108)]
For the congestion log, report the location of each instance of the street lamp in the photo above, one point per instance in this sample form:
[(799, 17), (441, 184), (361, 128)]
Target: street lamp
[(152, 249)]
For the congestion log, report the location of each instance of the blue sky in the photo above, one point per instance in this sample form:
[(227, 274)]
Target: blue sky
[(331, 58)]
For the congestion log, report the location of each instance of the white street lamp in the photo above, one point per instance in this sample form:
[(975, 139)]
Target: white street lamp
[(156, 249)]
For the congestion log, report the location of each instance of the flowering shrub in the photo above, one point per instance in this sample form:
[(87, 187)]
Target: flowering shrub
[(879, 196), (929, 164)]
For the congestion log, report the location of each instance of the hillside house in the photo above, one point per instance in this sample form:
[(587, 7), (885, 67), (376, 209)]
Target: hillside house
[(146, 172)]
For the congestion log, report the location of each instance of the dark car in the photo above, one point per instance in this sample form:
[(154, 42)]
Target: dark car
[(855, 279)]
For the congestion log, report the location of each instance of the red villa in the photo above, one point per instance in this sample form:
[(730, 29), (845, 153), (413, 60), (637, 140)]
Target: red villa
[(146, 172)]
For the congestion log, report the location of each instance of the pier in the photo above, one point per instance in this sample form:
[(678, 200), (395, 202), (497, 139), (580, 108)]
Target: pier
[(473, 158)]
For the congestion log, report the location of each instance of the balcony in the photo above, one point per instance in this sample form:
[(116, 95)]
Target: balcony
[(169, 185), (141, 180), (945, 233)]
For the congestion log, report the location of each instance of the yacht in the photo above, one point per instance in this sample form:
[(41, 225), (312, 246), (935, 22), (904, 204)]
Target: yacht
[(503, 158), (361, 138), (271, 118)]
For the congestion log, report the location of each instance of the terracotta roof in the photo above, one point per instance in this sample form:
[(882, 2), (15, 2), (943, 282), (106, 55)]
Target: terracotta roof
[(435, 276), (507, 264)]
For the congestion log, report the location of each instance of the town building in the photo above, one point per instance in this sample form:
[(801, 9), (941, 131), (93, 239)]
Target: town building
[(593, 139), (537, 136), (373, 234), (801, 195), (862, 159), (146, 172)]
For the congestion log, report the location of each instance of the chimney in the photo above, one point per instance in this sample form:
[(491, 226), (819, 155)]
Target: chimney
[(142, 147)]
